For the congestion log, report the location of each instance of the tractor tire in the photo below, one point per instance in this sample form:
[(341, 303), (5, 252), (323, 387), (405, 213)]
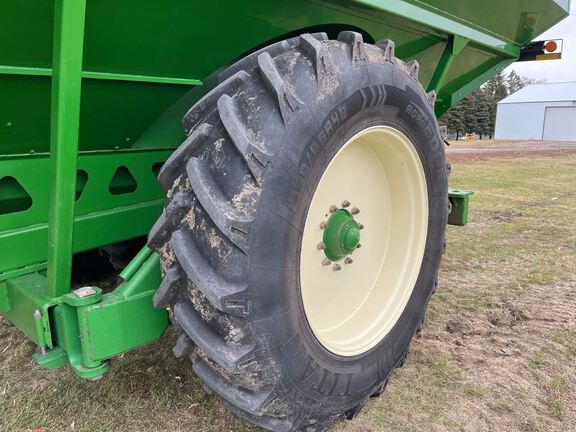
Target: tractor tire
[(301, 146)]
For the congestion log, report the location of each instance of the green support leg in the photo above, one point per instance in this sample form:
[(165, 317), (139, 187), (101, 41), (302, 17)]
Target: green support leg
[(68, 45)]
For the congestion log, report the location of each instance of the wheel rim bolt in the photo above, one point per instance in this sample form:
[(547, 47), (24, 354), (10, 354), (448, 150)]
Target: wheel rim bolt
[(345, 203), (336, 267), (326, 262), (321, 246), (333, 209), (355, 210), (323, 225), (348, 260)]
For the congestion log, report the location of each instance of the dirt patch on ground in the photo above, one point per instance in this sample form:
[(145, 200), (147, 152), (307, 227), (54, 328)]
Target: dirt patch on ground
[(482, 150), (504, 216), (521, 352)]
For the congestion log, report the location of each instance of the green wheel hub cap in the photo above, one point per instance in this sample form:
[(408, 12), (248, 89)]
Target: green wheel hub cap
[(341, 236)]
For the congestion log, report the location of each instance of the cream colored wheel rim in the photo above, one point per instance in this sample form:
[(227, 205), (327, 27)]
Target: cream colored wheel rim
[(352, 308)]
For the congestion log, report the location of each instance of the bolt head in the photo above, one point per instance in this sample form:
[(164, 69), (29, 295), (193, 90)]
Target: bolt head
[(333, 209), (355, 210), (321, 246), (326, 262), (336, 267), (345, 203), (360, 226), (323, 225), (359, 246), (348, 260)]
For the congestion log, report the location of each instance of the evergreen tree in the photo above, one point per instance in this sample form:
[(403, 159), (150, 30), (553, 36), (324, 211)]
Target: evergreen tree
[(469, 111), (453, 120), (482, 113), (459, 120), (495, 90)]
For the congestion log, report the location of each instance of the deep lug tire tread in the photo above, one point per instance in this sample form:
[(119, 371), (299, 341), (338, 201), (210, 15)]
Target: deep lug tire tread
[(221, 293), (207, 293), (227, 355)]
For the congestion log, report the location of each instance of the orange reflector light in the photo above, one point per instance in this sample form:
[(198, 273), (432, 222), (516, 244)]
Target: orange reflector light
[(551, 46)]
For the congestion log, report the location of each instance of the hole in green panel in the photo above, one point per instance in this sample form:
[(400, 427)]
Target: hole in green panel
[(81, 180), (13, 197), (156, 168), (123, 182)]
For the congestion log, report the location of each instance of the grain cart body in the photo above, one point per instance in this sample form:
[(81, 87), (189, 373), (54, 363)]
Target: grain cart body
[(91, 99)]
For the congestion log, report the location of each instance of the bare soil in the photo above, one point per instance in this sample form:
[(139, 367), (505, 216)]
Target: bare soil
[(466, 151), (492, 350)]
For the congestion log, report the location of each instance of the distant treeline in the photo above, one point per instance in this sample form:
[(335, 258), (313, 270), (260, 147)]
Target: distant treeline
[(476, 114)]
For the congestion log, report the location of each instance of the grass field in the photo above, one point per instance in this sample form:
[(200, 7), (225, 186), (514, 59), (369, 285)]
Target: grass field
[(498, 351)]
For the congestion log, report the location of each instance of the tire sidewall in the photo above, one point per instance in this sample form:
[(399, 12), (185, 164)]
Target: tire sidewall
[(374, 95)]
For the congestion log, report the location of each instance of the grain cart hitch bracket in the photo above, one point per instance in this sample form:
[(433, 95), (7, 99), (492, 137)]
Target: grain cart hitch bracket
[(86, 328)]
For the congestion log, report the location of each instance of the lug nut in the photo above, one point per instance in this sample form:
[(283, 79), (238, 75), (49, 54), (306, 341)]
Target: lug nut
[(336, 267), (345, 203), (333, 209), (355, 210), (326, 262), (323, 225), (360, 226), (321, 246), (348, 260)]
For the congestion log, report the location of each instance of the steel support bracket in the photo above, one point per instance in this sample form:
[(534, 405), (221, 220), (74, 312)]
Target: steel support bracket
[(454, 46), (86, 327), (51, 359), (460, 206)]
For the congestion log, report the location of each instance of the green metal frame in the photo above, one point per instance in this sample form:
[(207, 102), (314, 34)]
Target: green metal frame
[(65, 125), (100, 217), (460, 202), (108, 95), (86, 328)]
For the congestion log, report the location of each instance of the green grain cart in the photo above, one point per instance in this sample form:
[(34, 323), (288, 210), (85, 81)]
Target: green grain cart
[(281, 160)]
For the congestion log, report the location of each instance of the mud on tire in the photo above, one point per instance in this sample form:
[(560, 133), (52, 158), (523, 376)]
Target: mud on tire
[(238, 190)]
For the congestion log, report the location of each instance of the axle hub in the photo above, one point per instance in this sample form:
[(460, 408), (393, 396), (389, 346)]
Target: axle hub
[(341, 236)]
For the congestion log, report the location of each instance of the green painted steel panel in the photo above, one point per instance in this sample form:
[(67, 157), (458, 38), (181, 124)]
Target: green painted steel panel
[(503, 18), (189, 40), (119, 326), (100, 217), (460, 201), (26, 294)]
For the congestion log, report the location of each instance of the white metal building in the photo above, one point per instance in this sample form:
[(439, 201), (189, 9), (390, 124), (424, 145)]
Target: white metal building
[(539, 112)]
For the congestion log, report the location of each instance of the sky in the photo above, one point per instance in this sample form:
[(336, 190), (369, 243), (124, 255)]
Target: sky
[(554, 70)]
